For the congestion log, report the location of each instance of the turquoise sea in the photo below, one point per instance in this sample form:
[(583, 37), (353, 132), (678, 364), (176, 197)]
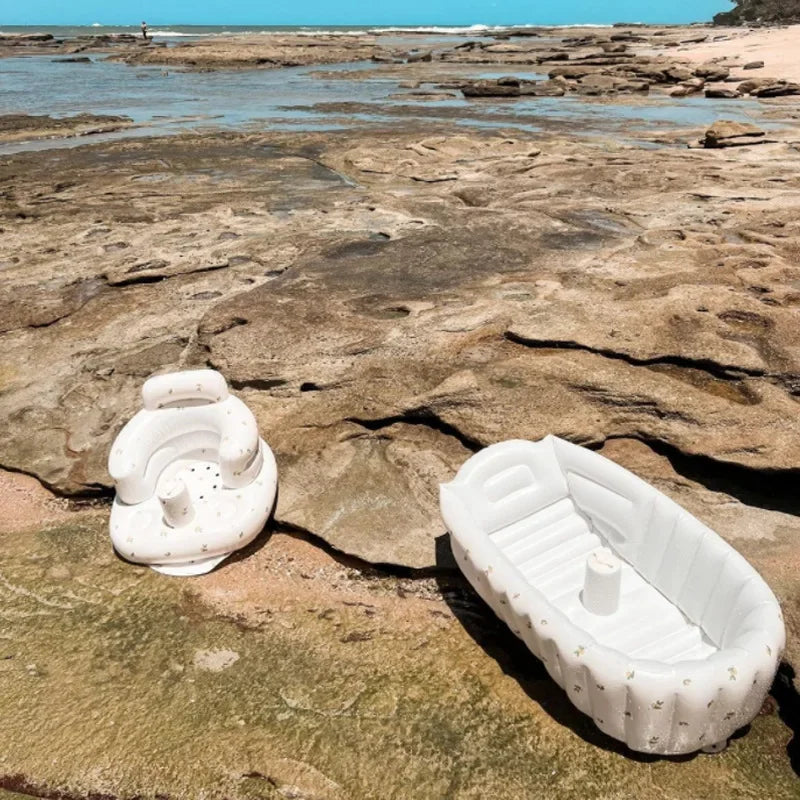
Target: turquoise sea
[(166, 32)]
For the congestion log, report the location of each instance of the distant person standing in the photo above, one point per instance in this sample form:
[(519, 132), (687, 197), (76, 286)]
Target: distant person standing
[(144, 30)]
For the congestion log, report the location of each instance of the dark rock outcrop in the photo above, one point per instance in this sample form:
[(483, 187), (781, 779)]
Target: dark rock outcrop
[(724, 94), (748, 12), (491, 89), (726, 133)]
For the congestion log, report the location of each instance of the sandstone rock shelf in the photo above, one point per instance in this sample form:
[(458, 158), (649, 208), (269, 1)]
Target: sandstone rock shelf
[(26, 127), (472, 334), (387, 302)]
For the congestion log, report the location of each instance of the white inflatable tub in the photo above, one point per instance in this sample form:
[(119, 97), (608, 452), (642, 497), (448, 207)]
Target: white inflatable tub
[(194, 481), (653, 625)]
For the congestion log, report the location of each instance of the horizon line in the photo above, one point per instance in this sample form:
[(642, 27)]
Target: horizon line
[(359, 24)]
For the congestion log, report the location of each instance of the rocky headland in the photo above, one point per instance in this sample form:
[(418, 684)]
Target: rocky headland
[(387, 302), (760, 12)]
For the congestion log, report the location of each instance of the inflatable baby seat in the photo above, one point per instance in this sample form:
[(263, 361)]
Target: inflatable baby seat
[(194, 481)]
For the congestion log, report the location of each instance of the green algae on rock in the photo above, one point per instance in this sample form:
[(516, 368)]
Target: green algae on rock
[(122, 682)]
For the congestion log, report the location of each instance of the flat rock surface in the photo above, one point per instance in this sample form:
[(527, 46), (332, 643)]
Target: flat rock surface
[(403, 300), (18, 127), (259, 50), (287, 673), (725, 133)]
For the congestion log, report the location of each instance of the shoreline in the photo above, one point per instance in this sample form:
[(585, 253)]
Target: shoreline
[(776, 47), (766, 52)]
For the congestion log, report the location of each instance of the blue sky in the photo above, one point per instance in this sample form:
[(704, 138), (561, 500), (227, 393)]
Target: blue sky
[(352, 12)]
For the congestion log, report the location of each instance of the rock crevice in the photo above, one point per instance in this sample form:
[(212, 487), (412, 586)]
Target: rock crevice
[(421, 416)]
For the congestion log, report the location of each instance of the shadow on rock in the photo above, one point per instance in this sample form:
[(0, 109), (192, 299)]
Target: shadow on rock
[(788, 700)]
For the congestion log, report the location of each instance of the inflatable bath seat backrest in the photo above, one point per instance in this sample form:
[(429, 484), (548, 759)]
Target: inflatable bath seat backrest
[(184, 413), (712, 584), (506, 483)]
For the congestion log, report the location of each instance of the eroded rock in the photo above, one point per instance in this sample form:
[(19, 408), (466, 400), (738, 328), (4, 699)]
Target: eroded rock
[(726, 133), (604, 315), (387, 303)]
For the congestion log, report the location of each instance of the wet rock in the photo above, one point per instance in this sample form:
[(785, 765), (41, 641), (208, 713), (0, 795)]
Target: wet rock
[(726, 133), (423, 56), (753, 65), (429, 95), (26, 37), (27, 126), (724, 94), (490, 88), (712, 72), (573, 71), (287, 645)]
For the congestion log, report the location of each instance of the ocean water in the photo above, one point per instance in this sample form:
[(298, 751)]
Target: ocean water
[(166, 32)]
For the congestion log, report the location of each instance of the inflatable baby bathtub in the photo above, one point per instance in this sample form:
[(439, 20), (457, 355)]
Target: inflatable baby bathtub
[(652, 624), (194, 481)]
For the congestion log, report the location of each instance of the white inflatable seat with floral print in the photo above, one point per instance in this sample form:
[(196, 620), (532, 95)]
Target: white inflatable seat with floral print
[(194, 481)]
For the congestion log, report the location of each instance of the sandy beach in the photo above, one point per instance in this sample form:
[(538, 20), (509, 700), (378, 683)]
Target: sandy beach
[(398, 249), (776, 47)]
